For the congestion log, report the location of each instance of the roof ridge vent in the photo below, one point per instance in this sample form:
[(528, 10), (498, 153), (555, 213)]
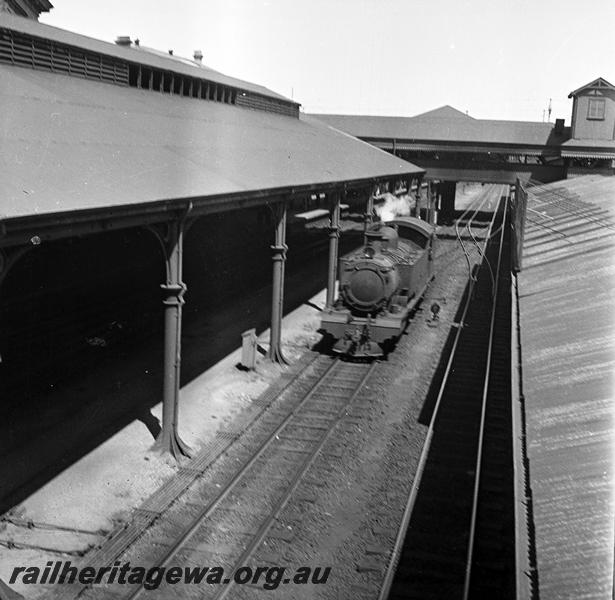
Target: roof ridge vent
[(24, 50)]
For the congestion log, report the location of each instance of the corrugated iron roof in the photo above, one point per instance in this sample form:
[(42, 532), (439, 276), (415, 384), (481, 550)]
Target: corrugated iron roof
[(567, 325), (72, 144), (446, 125), (132, 54)]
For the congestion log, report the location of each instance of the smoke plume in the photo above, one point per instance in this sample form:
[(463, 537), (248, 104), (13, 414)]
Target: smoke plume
[(395, 207)]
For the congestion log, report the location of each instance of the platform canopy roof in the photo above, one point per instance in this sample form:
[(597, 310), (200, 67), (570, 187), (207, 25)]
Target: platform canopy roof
[(567, 334), (589, 149), (69, 144), (446, 125)]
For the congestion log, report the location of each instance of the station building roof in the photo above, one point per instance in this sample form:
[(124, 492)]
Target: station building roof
[(449, 126), (129, 54), (600, 84), (567, 329), (588, 148), (72, 144)]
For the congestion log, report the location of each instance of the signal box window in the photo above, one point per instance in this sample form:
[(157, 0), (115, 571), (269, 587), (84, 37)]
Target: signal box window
[(595, 109)]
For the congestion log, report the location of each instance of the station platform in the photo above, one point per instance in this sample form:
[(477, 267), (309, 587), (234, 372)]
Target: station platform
[(90, 502), (566, 326)]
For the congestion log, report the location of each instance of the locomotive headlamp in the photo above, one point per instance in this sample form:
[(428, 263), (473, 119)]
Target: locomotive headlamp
[(369, 252)]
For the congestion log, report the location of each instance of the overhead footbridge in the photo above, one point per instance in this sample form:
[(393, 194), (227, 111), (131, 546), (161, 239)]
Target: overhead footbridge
[(455, 147)]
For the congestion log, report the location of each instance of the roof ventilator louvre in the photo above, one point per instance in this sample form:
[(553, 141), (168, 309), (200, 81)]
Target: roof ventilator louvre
[(46, 55)]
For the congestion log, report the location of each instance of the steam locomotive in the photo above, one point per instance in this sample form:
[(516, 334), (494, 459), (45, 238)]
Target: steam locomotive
[(379, 286)]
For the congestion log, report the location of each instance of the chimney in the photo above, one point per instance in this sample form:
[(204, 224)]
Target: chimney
[(123, 40), (171, 52), (198, 56), (559, 126)]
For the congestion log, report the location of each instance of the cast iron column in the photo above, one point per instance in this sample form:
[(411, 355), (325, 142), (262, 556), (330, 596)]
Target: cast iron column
[(334, 235), (174, 289), (369, 211), (431, 205), (417, 207), (277, 297)]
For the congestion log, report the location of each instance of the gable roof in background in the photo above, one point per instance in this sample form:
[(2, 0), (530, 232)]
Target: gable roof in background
[(596, 84), (445, 124)]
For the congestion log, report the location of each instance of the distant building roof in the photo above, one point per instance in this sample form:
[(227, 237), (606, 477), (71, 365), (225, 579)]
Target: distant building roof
[(588, 149), (444, 112), (568, 348), (72, 144), (446, 124), (596, 84)]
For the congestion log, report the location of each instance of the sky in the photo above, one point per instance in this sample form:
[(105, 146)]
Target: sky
[(495, 59)]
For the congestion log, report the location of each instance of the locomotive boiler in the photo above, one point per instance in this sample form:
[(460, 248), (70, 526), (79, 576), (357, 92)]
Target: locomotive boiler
[(379, 286)]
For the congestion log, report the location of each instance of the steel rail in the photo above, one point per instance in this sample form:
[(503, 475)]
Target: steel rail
[(458, 234), (302, 469), (482, 199), (444, 266), (407, 515), (481, 433), (208, 509), (482, 252)]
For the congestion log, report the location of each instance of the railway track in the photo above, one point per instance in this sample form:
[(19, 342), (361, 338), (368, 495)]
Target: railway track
[(470, 241), (452, 540), (465, 222), (242, 518), (238, 522)]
